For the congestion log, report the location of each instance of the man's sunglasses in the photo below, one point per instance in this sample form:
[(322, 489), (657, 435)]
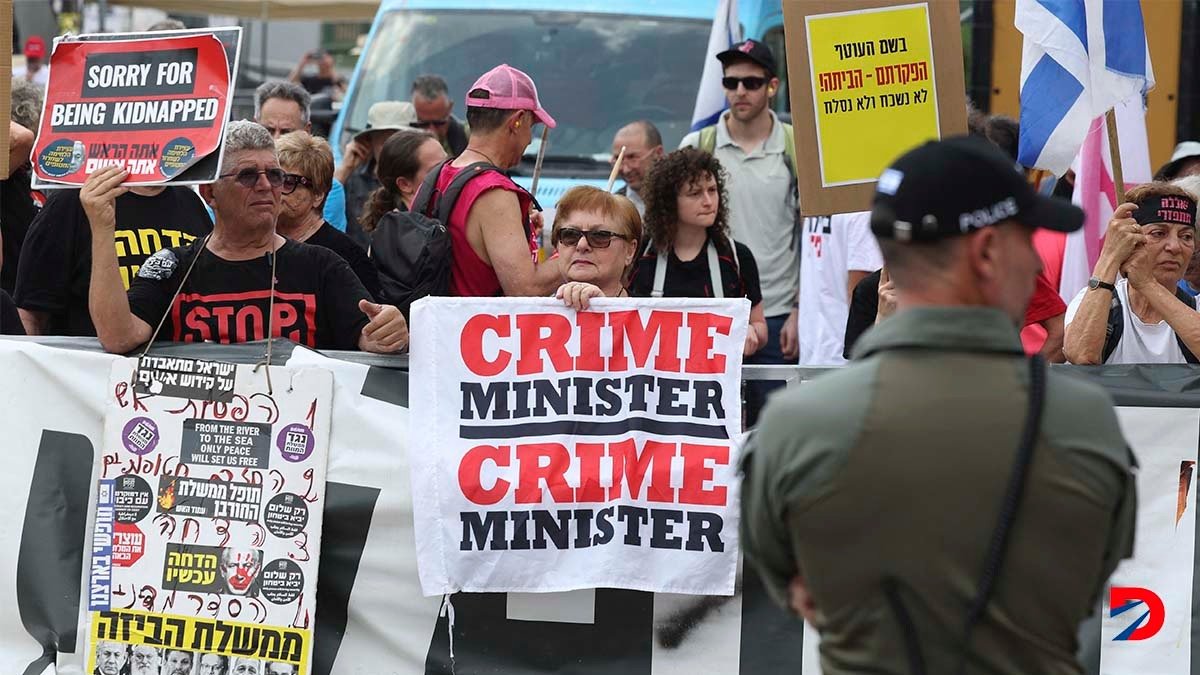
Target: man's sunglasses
[(570, 236), (425, 124), (750, 83), (248, 178)]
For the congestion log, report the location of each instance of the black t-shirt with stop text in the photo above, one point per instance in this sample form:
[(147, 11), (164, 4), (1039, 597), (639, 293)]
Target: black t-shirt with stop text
[(56, 259), (227, 301)]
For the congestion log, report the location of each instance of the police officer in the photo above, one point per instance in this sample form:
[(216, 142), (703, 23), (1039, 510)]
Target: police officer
[(896, 504)]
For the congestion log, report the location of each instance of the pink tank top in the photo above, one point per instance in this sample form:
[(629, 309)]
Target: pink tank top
[(470, 276)]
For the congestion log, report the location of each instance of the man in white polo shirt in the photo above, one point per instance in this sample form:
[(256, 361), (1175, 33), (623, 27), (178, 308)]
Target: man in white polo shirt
[(758, 152)]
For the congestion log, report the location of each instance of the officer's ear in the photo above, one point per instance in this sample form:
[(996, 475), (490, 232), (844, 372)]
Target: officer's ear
[(983, 250)]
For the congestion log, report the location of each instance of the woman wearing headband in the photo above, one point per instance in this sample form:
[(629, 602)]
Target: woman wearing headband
[(1146, 250)]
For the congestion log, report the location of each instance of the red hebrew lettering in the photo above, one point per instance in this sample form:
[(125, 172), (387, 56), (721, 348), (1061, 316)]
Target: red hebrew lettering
[(533, 342), (696, 472), (471, 344), (533, 472), (470, 468), (701, 326)]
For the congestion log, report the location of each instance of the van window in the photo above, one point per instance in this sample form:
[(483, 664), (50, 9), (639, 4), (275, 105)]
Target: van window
[(595, 73)]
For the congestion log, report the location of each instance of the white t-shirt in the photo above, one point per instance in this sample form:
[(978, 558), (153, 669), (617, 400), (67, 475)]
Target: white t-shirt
[(829, 249), (1141, 342), (41, 77)]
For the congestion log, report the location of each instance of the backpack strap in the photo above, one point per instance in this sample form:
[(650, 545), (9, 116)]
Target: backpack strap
[(660, 275), (708, 138), (420, 203), (1188, 300), (1116, 328), (714, 271), (449, 198)]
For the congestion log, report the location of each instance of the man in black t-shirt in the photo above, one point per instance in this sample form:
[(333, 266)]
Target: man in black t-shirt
[(56, 259), (221, 288)]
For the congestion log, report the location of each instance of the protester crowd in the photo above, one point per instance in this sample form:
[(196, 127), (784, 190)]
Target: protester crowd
[(717, 218), (285, 243)]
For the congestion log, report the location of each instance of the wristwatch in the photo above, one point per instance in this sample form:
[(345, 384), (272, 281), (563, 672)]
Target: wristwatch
[(1095, 283)]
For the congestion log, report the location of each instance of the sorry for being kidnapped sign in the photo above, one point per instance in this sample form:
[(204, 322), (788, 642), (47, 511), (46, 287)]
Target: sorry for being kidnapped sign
[(562, 450), (154, 106)]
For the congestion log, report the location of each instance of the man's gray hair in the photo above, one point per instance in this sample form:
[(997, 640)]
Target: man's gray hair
[(430, 87), (166, 24), (288, 91), (244, 135), (26, 107), (1189, 183)]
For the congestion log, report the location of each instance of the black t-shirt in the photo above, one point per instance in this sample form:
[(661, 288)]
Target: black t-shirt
[(10, 320), (316, 297), (864, 305), (16, 213), (334, 240), (56, 260), (691, 279)]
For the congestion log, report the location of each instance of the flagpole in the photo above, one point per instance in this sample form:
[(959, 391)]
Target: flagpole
[(1114, 149)]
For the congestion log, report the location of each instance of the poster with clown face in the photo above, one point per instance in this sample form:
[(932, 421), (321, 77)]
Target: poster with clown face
[(206, 533)]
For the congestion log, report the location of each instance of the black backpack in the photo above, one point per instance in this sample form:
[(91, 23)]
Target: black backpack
[(1116, 327), (413, 249)]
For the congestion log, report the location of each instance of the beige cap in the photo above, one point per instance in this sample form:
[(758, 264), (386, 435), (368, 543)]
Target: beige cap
[(389, 116)]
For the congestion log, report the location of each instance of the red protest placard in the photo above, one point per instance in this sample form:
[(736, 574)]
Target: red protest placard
[(152, 106)]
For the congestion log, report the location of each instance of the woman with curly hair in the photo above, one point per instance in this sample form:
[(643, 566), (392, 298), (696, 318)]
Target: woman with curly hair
[(690, 253)]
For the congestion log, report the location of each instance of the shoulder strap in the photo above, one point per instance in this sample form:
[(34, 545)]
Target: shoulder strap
[(468, 173), (424, 194), (1188, 300), (1115, 328), (708, 138), (789, 149), (1012, 501), (660, 275), (714, 271)]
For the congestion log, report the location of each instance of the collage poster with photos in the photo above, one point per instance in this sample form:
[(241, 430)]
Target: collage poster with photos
[(210, 489)]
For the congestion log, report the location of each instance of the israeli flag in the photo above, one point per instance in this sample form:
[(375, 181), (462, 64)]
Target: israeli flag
[(710, 99), (1080, 58)]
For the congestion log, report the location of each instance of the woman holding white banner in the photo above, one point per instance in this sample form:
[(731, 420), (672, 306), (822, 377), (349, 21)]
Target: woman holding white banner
[(690, 253), (596, 235)]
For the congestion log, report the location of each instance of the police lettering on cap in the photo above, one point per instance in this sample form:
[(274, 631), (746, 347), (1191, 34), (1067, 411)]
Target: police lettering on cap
[(956, 186)]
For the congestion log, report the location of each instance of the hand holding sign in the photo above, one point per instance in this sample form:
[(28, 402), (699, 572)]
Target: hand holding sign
[(99, 198), (387, 331)]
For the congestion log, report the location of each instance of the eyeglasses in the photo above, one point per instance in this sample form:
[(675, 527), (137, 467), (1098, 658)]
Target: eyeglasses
[(569, 236), (298, 180), (425, 124), (750, 83), (248, 178)]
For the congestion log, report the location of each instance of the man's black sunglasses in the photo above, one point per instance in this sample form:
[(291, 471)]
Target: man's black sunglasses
[(425, 124), (569, 236), (248, 178), (750, 83)]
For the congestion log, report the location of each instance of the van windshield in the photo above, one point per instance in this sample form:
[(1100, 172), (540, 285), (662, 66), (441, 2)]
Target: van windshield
[(594, 72)]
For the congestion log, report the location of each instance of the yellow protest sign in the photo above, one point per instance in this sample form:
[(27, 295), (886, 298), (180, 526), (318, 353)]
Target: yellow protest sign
[(873, 94), (869, 80)]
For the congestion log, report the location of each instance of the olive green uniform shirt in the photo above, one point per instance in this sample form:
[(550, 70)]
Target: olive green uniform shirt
[(896, 467)]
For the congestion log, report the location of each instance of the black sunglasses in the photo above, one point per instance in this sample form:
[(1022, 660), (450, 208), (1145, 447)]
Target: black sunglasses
[(425, 124), (248, 178), (750, 83), (570, 236)]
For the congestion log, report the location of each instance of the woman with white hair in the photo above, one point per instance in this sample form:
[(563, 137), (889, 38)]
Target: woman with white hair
[(241, 283)]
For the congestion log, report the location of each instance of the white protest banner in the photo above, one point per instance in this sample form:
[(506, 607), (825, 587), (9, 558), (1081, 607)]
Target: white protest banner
[(1147, 613), (564, 450), (210, 495)]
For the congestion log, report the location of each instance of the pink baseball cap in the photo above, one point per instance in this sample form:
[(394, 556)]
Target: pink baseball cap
[(509, 89)]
